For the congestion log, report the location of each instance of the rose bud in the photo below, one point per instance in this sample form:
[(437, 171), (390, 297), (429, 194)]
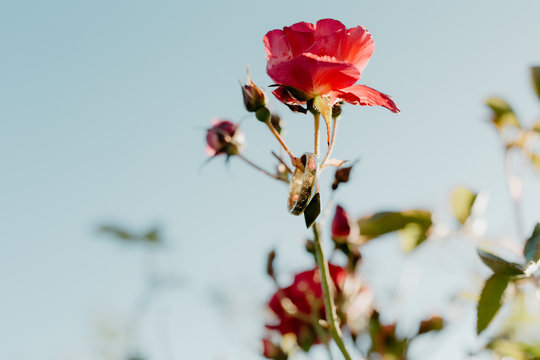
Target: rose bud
[(224, 137), (254, 97), (341, 228), (273, 351)]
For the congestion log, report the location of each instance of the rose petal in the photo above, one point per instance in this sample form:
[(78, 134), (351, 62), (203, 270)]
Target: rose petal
[(327, 27), (276, 45), (300, 38), (363, 95), (313, 74), (357, 47)]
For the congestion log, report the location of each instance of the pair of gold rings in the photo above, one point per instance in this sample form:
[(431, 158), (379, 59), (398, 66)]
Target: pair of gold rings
[(303, 184)]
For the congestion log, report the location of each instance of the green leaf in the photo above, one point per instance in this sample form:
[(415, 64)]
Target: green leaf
[(462, 200), (499, 265), (503, 114), (532, 246), (312, 210), (535, 76), (413, 225), (490, 300)]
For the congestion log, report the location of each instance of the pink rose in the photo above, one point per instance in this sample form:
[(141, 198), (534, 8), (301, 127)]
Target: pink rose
[(224, 137), (325, 59), (299, 306)]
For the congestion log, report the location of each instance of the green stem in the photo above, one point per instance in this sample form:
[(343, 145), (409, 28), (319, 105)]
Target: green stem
[(329, 305)]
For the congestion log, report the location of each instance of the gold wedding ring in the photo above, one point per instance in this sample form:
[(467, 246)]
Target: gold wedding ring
[(302, 185)]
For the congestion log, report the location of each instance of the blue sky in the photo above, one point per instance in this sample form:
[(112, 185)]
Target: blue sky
[(104, 107)]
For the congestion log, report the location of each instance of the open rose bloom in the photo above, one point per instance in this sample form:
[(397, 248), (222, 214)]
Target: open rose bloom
[(323, 59)]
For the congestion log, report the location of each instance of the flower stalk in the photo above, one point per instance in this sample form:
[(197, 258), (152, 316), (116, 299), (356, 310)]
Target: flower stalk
[(331, 146), (328, 294), (257, 167), (294, 160), (316, 118)]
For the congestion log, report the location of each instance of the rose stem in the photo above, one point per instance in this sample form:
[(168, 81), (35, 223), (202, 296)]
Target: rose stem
[(316, 117), (331, 147), (257, 167), (282, 162), (295, 161), (329, 306)]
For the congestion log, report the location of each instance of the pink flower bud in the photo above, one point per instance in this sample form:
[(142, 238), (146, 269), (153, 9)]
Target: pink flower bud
[(224, 137), (341, 228), (254, 97)]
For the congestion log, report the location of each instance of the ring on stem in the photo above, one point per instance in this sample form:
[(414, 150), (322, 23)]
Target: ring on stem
[(302, 185)]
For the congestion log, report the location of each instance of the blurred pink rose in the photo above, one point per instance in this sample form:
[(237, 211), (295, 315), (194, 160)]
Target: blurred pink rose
[(224, 137)]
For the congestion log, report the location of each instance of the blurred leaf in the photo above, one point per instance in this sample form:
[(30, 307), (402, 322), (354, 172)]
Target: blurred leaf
[(508, 348), (116, 232), (434, 323), (499, 265), (312, 210), (535, 75), (532, 246), (151, 236), (490, 300), (536, 126), (535, 159), (502, 113), (412, 235), (414, 226), (462, 200)]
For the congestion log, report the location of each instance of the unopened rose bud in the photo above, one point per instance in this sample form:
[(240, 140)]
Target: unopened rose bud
[(254, 97), (273, 351), (224, 137), (341, 228)]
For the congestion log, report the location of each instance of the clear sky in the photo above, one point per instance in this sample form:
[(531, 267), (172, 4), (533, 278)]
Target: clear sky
[(103, 110)]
